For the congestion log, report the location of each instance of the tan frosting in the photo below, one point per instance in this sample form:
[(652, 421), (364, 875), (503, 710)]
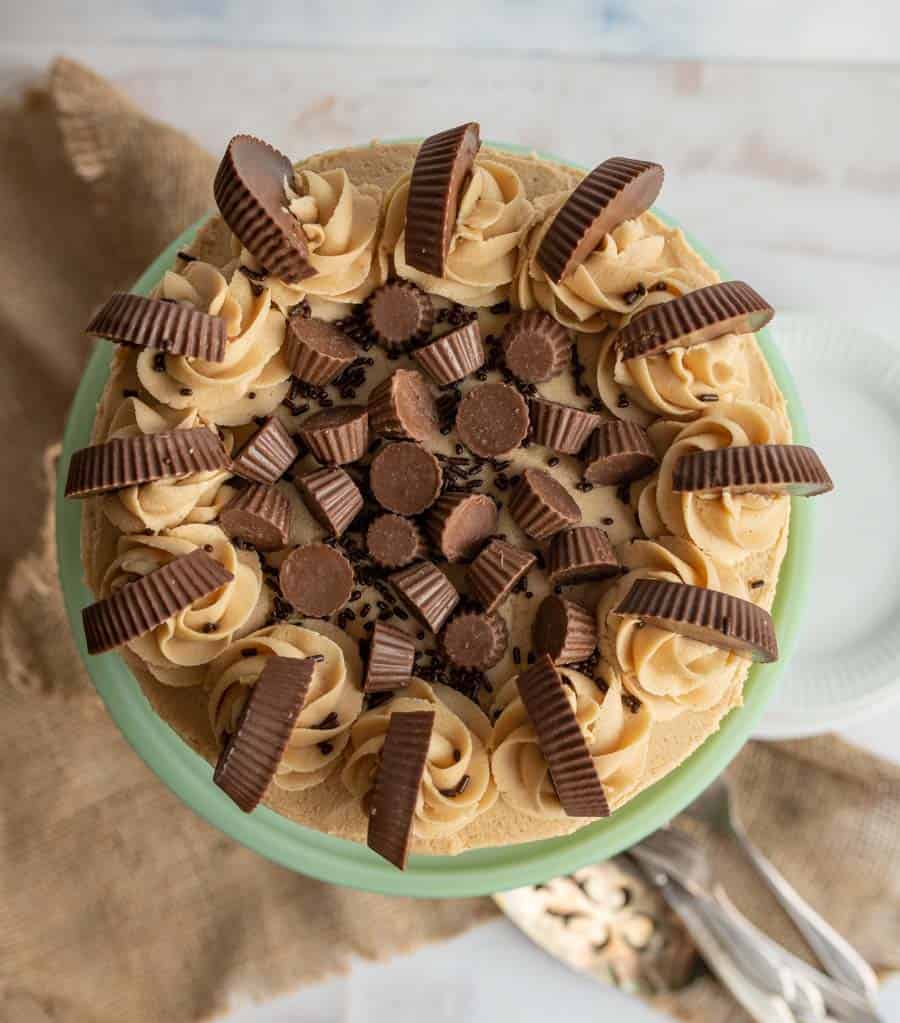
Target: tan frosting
[(458, 748), (312, 753)]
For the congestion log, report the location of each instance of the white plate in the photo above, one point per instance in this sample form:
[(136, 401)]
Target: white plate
[(847, 662)]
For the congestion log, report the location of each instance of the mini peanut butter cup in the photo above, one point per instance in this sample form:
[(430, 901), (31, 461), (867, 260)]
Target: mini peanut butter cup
[(541, 505), (337, 436), (249, 190), (561, 427), (564, 630), (130, 461), (251, 754), (316, 579), (475, 641), (398, 313), (731, 307), (495, 572), (618, 452), (392, 803), (394, 542), (536, 347), (402, 407), (708, 616), (559, 736), (139, 607), (332, 498), (259, 515), (427, 592), (453, 356), (492, 420), (459, 524), (316, 351), (753, 469), (581, 555), (441, 168), (618, 189), (267, 455), (405, 478), (171, 327), (391, 655)]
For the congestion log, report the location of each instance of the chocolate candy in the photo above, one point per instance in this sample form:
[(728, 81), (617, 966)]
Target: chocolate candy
[(453, 356), (442, 165), (405, 478), (536, 347), (459, 524), (251, 755), (316, 579), (399, 313), (559, 737), (394, 542), (394, 796), (139, 607), (753, 469), (249, 190), (618, 190), (391, 655), (267, 455), (541, 505), (316, 351), (561, 427), (337, 436), (333, 499), (580, 555), (618, 452), (475, 642), (427, 592), (402, 407), (492, 420), (564, 630), (699, 316), (258, 515), (130, 461), (171, 327), (709, 616), (494, 573)]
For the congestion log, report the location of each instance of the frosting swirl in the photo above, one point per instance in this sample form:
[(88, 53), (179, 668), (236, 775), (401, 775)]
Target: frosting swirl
[(458, 751), (333, 701)]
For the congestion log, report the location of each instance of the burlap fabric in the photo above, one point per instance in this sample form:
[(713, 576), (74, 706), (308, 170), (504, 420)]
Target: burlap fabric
[(116, 902)]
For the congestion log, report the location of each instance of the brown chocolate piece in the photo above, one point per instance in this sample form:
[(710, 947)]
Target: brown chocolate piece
[(474, 641), (392, 805), (171, 327), (399, 313), (249, 191), (559, 736), (267, 455), (316, 351), (394, 541), (492, 420), (708, 616), (536, 347), (259, 515), (405, 478), (337, 436), (402, 407), (442, 165), (561, 427), (541, 505), (251, 755), (564, 630), (618, 190), (453, 356), (333, 499), (753, 469), (619, 452), (427, 592), (731, 307), (580, 555), (494, 573), (130, 461), (391, 655), (316, 579), (140, 606), (459, 524)]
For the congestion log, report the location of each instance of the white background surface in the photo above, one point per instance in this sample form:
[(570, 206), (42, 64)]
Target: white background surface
[(778, 128)]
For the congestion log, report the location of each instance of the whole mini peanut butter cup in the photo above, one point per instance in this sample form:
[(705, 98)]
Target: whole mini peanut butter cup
[(391, 656), (459, 524), (492, 420), (454, 355), (475, 642), (402, 407), (753, 468), (536, 347), (394, 541), (495, 572), (337, 436), (267, 455), (427, 592), (541, 505), (316, 579), (581, 554), (405, 478), (561, 427), (564, 630), (259, 515), (332, 498), (398, 313), (618, 452), (316, 351)]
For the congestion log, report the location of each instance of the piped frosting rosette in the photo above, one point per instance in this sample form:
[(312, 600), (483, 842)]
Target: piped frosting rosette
[(333, 702), (457, 785), (177, 652), (253, 377), (617, 738)]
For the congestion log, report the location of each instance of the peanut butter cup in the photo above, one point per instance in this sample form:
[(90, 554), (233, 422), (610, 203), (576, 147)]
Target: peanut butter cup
[(391, 656), (495, 572), (259, 515), (541, 505), (316, 579), (536, 347), (579, 555), (405, 478), (267, 455), (753, 469), (402, 407), (337, 436), (427, 592), (564, 630), (618, 452), (394, 542), (475, 641), (453, 356), (333, 499), (492, 420), (561, 427), (459, 524), (316, 351), (398, 313)]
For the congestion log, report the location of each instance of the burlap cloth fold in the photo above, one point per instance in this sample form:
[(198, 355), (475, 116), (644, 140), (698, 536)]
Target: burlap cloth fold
[(116, 902)]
